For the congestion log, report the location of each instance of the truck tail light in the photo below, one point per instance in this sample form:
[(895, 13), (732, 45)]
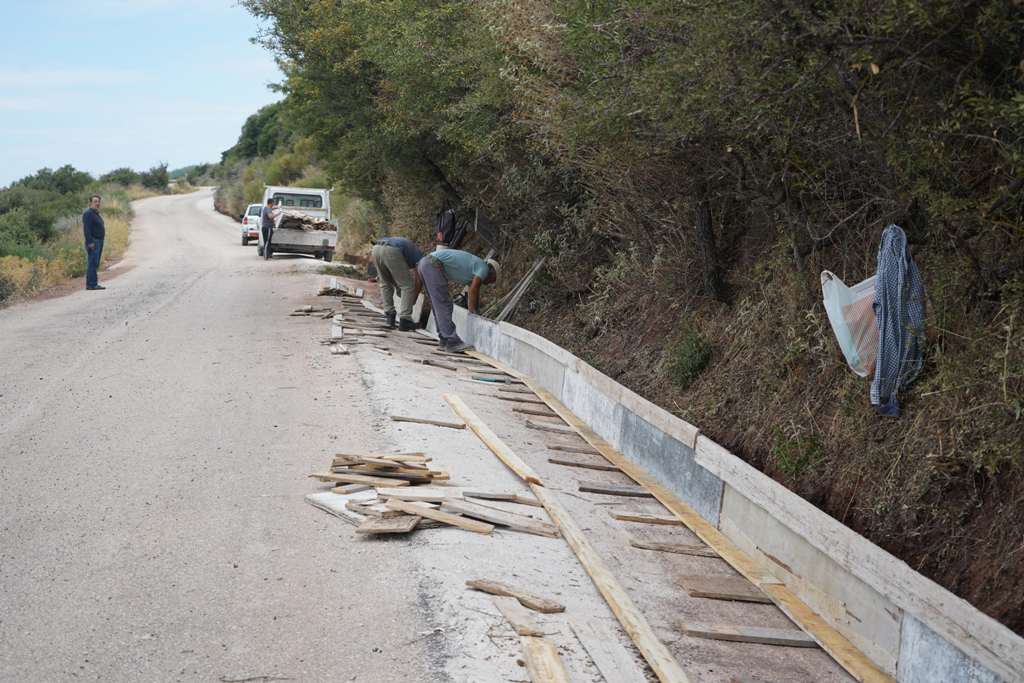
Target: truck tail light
[(245, 220)]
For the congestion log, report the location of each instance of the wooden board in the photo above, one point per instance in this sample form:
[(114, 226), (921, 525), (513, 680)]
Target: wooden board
[(372, 510), (644, 518), (510, 497), (517, 616), (518, 399), (426, 494), (603, 466), (351, 488), (511, 520), (388, 525), (358, 479), (437, 515), (832, 641), (425, 421), (491, 440), (749, 634), (678, 548), (734, 588), (539, 413), (439, 364), (542, 661), (615, 489), (542, 605), (569, 448), (517, 390), (613, 660), (632, 619), (549, 428)]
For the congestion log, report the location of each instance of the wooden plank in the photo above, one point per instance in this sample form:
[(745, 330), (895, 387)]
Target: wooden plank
[(491, 440), (358, 479), (569, 448), (437, 515), (519, 399), (539, 413), (425, 421), (549, 428), (511, 520), (510, 497), (542, 661), (542, 605), (496, 380), (832, 641), (426, 494), (677, 548), (388, 525), (373, 510), (654, 651), (615, 489), (749, 634), (516, 615), (516, 390), (411, 477), (395, 464), (734, 588), (439, 364), (644, 518), (616, 663), (351, 488), (603, 466)]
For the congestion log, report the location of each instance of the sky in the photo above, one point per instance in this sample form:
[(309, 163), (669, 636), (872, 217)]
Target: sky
[(110, 83)]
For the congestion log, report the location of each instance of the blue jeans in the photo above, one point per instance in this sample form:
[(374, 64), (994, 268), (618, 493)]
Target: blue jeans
[(92, 263)]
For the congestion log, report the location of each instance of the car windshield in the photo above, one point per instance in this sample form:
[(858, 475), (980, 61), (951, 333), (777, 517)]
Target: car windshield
[(254, 210), (298, 201)]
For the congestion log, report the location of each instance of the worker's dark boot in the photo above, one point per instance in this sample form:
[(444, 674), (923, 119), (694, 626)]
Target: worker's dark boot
[(406, 325), (389, 318)]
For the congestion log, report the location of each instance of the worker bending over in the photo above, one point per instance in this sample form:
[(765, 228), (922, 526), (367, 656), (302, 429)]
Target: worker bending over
[(453, 265), (396, 259)]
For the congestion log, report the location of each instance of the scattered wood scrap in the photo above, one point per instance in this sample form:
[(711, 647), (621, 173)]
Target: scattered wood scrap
[(511, 520), (439, 364), (517, 390), (402, 524), (644, 518), (516, 615), (424, 421), (733, 588), (509, 497), (520, 399), (351, 488), (542, 661), (422, 494), (750, 634), (628, 490), (540, 413), (554, 429), (437, 515), (570, 448), (542, 605), (677, 548), (603, 466), (384, 470), (354, 478)]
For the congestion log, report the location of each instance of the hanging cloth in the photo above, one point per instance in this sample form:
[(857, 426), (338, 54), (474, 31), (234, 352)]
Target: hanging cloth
[(899, 308)]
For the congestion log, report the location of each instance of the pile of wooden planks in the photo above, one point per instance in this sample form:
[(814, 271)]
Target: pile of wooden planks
[(384, 469)]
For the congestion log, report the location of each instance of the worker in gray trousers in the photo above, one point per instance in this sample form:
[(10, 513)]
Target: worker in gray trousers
[(439, 268), (396, 259)]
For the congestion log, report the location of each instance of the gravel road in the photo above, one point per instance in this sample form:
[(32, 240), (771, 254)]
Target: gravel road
[(154, 443)]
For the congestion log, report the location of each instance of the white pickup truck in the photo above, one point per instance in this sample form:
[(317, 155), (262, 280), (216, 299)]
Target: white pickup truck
[(300, 201)]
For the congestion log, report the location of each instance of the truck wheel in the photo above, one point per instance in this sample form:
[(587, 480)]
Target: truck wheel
[(328, 256), (245, 241), (259, 250)]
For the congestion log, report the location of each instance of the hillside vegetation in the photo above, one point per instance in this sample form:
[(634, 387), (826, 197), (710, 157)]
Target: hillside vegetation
[(41, 242), (689, 169)]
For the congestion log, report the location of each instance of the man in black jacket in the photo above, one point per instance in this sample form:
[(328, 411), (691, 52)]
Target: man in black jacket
[(92, 226)]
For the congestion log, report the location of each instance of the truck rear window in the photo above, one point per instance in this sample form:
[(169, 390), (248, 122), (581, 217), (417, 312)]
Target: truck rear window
[(299, 201), (254, 210)]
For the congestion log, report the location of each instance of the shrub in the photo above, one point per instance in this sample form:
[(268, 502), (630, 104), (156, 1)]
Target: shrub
[(797, 455), (688, 358)]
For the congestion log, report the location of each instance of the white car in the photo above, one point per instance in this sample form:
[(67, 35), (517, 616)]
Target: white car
[(251, 224)]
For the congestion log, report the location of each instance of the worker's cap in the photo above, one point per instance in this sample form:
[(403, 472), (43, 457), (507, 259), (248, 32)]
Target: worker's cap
[(494, 266)]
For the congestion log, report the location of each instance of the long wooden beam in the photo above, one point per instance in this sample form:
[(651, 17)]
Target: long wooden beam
[(491, 440)]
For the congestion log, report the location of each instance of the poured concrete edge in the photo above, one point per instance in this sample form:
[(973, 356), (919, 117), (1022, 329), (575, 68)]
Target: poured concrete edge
[(908, 624)]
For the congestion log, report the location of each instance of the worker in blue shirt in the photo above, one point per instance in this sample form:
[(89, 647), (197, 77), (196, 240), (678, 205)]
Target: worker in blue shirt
[(95, 232), (439, 268)]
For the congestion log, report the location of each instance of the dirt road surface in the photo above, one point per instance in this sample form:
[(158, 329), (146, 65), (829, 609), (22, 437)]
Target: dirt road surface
[(154, 443)]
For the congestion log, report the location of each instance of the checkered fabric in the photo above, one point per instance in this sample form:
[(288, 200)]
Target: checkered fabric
[(900, 307)]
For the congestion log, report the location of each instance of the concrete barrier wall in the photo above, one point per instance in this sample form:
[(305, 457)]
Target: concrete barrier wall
[(910, 626)]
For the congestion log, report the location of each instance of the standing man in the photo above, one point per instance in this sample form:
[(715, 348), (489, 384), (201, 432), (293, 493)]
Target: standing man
[(453, 265), (396, 259), (95, 232), (267, 215)]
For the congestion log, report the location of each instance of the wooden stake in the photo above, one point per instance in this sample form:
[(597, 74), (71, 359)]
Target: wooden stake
[(424, 421), (585, 465), (749, 634), (644, 518), (615, 490), (678, 548), (542, 605)]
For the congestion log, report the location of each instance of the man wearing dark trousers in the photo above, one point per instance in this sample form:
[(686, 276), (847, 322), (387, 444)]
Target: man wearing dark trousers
[(95, 231)]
